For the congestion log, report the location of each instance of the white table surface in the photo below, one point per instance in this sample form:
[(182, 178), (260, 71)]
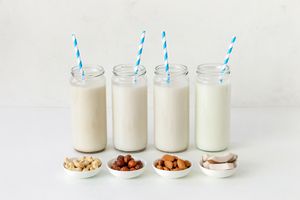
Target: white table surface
[(34, 142)]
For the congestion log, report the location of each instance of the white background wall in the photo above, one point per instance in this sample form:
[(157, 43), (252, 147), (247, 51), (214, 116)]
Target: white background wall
[(36, 50)]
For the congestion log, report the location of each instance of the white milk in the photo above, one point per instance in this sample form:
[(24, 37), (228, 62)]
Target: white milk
[(89, 117), (171, 117), (129, 116), (212, 116)]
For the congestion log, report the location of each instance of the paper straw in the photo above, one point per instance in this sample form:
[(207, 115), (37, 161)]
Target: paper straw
[(139, 54), (226, 60), (166, 63), (77, 54)]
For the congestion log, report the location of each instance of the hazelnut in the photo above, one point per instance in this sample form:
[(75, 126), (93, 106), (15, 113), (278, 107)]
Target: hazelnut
[(138, 166), (120, 163), (126, 163), (131, 163), (120, 157), (127, 158), (114, 165), (124, 169), (139, 163)]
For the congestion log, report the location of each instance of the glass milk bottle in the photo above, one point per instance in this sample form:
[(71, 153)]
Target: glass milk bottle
[(171, 108), (129, 108), (88, 108), (212, 107)]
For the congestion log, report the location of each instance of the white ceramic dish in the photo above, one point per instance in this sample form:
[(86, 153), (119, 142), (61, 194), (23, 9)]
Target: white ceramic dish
[(171, 174), (126, 174), (217, 173), (86, 174)]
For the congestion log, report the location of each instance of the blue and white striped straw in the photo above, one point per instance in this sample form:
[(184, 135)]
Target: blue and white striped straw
[(77, 54), (226, 60), (139, 54), (166, 62)]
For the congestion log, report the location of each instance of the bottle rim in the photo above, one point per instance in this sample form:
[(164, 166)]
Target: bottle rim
[(213, 69), (127, 70), (90, 71), (175, 70)]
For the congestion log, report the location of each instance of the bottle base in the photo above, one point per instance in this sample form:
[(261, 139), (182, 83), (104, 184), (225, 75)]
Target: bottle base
[(212, 150), (179, 151), (98, 151), (135, 151)]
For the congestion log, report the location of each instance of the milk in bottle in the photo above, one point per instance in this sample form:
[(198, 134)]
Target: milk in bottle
[(171, 109), (129, 106), (212, 107), (88, 108)]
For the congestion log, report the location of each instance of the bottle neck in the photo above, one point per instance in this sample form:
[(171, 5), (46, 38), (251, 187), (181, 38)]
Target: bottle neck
[(213, 73), (177, 73), (128, 75), (91, 73)]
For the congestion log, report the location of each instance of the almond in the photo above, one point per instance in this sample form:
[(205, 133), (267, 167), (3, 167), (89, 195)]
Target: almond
[(187, 163), (169, 164), (168, 157), (165, 168), (174, 164), (159, 167), (181, 164)]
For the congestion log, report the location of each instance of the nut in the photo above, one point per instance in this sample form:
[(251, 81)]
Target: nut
[(120, 157), (223, 162), (82, 164), (165, 168), (187, 163), (131, 163), (120, 162), (159, 167), (161, 162), (124, 168), (169, 164), (126, 163), (127, 158), (172, 163), (168, 157), (139, 165), (181, 164)]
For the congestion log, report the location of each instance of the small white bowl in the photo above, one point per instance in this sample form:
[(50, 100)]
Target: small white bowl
[(217, 173), (171, 174), (126, 174), (77, 174)]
